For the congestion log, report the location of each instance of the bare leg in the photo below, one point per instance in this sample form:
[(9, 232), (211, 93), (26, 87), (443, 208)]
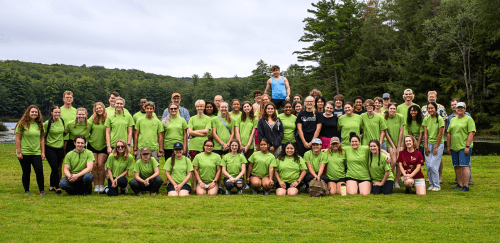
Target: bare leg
[(465, 175), (280, 192), (100, 166), (292, 191), (333, 187), (352, 187), (365, 188), (441, 172)]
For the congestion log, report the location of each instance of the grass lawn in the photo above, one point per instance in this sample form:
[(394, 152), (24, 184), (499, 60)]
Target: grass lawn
[(447, 215)]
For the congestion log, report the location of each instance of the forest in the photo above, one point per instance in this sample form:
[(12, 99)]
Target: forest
[(362, 48)]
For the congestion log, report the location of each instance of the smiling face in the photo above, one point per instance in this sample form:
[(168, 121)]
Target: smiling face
[(287, 109), (408, 96), (320, 104), (56, 113), (289, 150), (392, 110), (298, 108), (209, 109), (413, 113), (348, 109), (335, 146), (120, 147), (309, 103), (329, 109), (142, 102), (409, 142), (208, 147), (176, 100), (431, 109), (234, 146), (178, 153), (145, 157), (81, 116), (358, 104), (374, 148), (297, 98), (269, 110), (149, 111), (99, 109), (119, 105), (454, 105), (173, 109), (258, 98), (68, 99), (217, 100), (265, 100), (316, 148), (223, 108), (432, 97), (263, 146), (33, 113), (247, 108), (79, 145), (338, 104), (460, 111), (200, 108), (355, 143), (378, 105), (112, 100), (236, 106)]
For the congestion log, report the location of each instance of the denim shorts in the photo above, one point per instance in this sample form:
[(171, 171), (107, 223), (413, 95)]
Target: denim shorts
[(460, 159)]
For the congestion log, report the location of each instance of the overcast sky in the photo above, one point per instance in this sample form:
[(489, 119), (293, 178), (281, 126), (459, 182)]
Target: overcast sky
[(176, 38)]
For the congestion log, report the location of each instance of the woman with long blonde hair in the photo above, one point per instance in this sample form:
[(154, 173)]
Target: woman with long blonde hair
[(97, 144), (118, 164), (118, 125), (175, 131)]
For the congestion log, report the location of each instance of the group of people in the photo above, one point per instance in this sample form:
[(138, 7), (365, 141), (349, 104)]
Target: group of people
[(368, 146)]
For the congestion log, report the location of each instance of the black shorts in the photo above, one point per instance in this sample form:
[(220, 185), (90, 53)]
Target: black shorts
[(167, 153), (102, 151), (220, 152), (277, 185), (337, 181), (358, 181), (278, 103), (170, 187)]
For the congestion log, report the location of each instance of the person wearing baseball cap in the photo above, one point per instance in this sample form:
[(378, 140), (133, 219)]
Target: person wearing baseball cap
[(386, 97), (183, 112), (315, 162), (460, 135), (178, 170), (335, 166), (147, 174)]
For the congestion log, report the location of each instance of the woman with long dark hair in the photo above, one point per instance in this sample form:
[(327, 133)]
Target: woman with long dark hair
[(30, 147), (258, 168), (245, 127), (207, 170), (319, 104), (178, 170), (433, 145), (380, 171), (394, 134), (413, 125), (54, 146), (289, 169), (271, 127)]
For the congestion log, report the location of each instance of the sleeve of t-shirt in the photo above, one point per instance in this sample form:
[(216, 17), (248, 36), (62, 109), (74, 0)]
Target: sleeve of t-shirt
[(237, 121), (383, 126), (243, 160), (299, 118), (130, 121), (420, 158), (67, 129), (275, 163), (195, 161), (161, 128), (339, 124), (323, 158), (154, 162), (255, 121), (190, 124), (424, 123), (189, 167), (184, 125), (136, 167), (302, 164), (471, 125), (223, 161), (251, 159), (441, 123), (108, 162), (168, 165), (130, 162), (45, 125), (90, 156), (307, 157), (107, 123), (217, 161), (138, 125)]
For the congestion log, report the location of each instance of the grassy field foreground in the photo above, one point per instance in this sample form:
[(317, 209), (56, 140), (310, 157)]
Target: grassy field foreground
[(447, 215)]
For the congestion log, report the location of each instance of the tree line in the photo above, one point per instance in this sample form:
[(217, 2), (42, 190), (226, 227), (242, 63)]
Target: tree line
[(362, 48)]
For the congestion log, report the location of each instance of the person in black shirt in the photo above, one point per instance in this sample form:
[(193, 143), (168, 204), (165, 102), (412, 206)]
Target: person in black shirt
[(329, 127), (309, 124)]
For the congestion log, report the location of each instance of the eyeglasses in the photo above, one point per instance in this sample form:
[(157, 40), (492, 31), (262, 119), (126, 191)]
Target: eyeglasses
[(120, 146), (173, 109), (209, 146)]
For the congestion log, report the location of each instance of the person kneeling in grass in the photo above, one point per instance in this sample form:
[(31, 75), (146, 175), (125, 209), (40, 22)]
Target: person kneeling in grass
[(258, 169), (290, 170), (410, 162), (118, 165), (178, 170), (234, 167), (207, 170), (77, 167), (147, 174), (380, 171)]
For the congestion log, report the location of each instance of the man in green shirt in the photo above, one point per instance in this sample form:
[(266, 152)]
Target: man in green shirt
[(77, 167), (148, 133), (408, 98), (111, 109), (68, 113)]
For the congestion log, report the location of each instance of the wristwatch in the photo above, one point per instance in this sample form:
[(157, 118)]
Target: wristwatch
[(298, 181)]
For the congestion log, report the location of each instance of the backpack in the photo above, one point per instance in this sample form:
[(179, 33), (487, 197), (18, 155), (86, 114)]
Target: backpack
[(50, 124), (318, 188)]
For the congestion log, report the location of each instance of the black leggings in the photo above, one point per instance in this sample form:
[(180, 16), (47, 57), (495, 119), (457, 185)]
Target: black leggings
[(385, 189), (121, 183), (55, 158), (26, 162), (301, 150)]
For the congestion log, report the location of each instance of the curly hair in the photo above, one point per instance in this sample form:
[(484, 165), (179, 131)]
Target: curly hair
[(26, 120)]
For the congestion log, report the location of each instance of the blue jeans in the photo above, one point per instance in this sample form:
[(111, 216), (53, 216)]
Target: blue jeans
[(81, 186)]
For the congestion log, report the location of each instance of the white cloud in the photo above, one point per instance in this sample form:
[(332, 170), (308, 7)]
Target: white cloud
[(177, 38)]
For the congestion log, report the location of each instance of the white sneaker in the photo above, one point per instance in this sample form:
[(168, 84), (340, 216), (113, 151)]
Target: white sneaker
[(228, 192), (247, 187), (436, 189), (97, 188), (396, 185), (266, 193), (240, 192), (255, 192), (430, 188)]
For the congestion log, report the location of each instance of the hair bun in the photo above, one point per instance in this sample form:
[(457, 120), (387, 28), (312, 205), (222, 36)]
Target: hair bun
[(352, 134)]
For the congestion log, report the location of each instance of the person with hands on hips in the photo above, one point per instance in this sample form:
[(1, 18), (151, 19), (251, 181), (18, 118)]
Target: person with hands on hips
[(271, 128), (77, 167), (30, 147), (234, 167), (178, 170), (460, 135), (207, 170), (289, 169), (146, 174)]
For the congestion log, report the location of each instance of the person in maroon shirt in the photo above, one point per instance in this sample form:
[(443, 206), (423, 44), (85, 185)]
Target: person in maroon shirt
[(410, 162)]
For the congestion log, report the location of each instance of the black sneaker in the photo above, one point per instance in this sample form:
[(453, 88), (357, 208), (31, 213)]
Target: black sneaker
[(27, 193), (408, 190), (59, 191), (42, 193), (221, 192)]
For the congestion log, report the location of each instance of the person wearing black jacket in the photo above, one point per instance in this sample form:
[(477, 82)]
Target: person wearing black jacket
[(271, 127)]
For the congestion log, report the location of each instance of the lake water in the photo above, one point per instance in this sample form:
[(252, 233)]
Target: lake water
[(480, 148)]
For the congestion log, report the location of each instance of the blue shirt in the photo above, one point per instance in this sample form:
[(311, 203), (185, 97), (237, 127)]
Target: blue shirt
[(278, 88), (183, 112)]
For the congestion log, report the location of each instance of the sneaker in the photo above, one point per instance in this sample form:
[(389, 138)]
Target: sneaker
[(430, 188), (436, 189), (240, 192), (97, 188), (104, 190), (58, 191), (457, 187), (396, 185), (408, 190), (228, 192), (124, 191), (27, 193), (266, 193), (221, 192), (42, 193), (247, 187), (465, 189), (254, 192)]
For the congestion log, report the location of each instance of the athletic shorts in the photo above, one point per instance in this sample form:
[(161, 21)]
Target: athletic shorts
[(170, 187), (337, 181), (102, 151), (352, 179)]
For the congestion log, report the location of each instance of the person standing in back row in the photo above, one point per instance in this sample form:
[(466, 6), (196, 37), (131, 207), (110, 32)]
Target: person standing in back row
[(280, 87), (183, 112), (68, 113)]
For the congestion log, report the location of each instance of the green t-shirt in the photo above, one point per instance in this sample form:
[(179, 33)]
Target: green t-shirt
[(261, 163), (145, 170), (118, 166), (140, 115), (288, 169), (460, 129), (357, 162), (383, 111), (67, 115), (174, 132), (55, 137), (235, 116), (433, 128), (233, 163), (335, 165), (222, 131), (288, 127), (79, 129), (78, 161), (378, 169), (148, 130), (199, 123), (314, 160), (246, 129), (181, 168), (97, 137), (348, 124), (30, 139), (414, 128), (111, 111), (371, 125), (393, 126), (403, 110), (119, 125), (207, 166)]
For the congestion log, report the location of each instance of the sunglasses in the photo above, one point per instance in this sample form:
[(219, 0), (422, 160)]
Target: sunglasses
[(173, 109), (120, 146)]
